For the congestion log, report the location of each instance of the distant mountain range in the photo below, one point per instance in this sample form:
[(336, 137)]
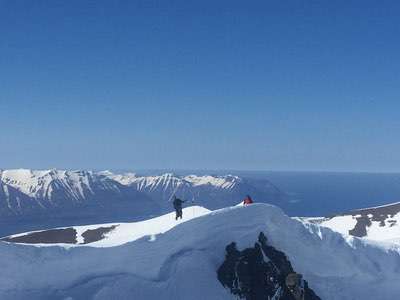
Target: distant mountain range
[(30, 192), (34, 199), (209, 191)]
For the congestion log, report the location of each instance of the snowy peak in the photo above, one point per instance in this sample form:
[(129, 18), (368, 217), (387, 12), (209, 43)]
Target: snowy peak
[(42, 183), (78, 185), (24, 180), (226, 257), (125, 179), (210, 191), (169, 180), (108, 197), (165, 182), (224, 182), (65, 195)]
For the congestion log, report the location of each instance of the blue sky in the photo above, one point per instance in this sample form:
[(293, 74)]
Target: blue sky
[(252, 85)]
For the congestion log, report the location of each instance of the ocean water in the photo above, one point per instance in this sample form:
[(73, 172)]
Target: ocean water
[(325, 193)]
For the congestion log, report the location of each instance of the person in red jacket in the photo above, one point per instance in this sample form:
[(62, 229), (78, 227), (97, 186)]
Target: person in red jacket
[(247, 200)]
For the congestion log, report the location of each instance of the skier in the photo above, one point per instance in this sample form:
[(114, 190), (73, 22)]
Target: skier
[(247, 200), (178, 207)]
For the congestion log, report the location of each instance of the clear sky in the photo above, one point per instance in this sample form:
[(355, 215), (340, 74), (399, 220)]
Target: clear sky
[(252, 85)]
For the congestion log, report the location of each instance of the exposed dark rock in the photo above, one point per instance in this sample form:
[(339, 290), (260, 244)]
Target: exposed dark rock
[(366, 216), (93, 235), (262, 272), (360, 229), (64, 236), (380, 214), (53, 236)]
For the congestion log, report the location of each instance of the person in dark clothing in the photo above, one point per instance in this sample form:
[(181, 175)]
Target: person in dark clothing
[(247, 200), (178, 207)]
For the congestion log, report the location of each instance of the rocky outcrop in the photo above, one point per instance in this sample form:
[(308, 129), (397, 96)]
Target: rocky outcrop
[(262, 272), (365, 217), (61, 235), (375, 223)]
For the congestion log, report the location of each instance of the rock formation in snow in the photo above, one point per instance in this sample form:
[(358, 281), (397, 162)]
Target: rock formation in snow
[(262, 272), (381, 223), (164, 259)]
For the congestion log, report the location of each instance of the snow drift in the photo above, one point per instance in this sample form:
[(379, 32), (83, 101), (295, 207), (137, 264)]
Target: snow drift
[(182, 262)]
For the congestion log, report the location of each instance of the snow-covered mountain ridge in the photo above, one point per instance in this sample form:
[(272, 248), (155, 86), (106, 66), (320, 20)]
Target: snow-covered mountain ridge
[(41, 183), (25, 194), (47, 187), (170, 180), (35, 199), (380, 223), (156, 266), (209, 191), (105, 235)]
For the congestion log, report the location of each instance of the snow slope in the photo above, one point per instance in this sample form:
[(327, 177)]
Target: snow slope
[(43, 183), (381, 223), (181, 263), (43, 190), (121, 232), (31, 200), (169, 180), (86, 195), (40, 199), (209, 191)]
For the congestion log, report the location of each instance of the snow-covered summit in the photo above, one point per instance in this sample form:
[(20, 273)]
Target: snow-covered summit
[(41, 183), (182, 262), (169, 180), (166, 181), (224, 182)]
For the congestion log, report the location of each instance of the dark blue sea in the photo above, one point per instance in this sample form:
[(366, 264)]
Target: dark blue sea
[(325, 193)]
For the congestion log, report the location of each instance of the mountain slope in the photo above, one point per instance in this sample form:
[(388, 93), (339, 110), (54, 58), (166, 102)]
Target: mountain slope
[(39, 199), (182, 263), (381, 223), (59, 189), (209, 191), (42, 199), (105, 235), (25, 191)]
